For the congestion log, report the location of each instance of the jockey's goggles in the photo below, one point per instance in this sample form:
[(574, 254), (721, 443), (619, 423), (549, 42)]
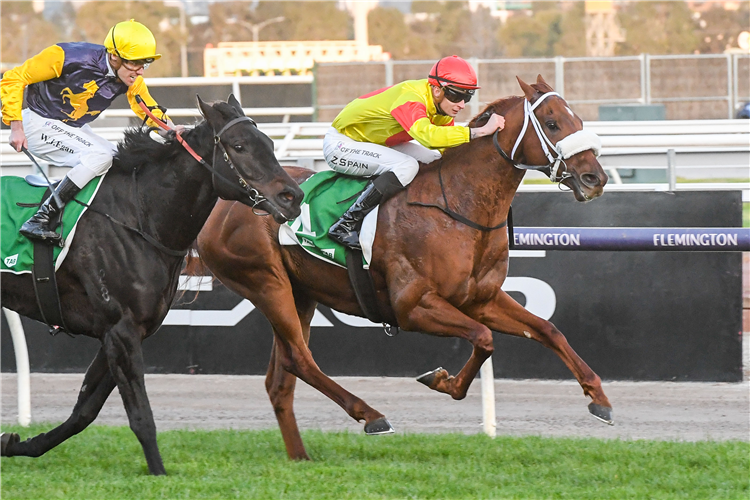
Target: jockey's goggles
[(455, 96), (136, 65)]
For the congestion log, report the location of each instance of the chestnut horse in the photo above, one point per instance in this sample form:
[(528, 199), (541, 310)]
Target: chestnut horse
[(432, 272)]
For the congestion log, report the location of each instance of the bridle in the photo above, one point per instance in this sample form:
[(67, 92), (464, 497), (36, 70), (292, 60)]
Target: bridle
[(255, 196), (240, 184), (573, 144)]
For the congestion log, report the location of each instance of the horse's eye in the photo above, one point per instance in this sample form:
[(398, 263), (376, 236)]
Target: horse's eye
[(239, 148), (552, 125)]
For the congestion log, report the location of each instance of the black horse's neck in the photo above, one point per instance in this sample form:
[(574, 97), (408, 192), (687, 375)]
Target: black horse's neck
[(169, 193)]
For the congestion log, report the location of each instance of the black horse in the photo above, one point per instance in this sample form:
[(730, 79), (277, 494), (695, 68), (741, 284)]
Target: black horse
[(122, 270)]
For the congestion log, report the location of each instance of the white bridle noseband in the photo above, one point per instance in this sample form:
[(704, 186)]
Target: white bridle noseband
[(575, 143)]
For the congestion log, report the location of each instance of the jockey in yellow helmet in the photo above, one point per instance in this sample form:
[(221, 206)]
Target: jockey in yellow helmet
[(69, 85)]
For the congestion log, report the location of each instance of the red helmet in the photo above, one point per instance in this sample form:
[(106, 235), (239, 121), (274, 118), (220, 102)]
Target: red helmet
[(453, 71)]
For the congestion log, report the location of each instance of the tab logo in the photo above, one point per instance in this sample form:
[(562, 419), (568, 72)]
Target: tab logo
[(11, 260)]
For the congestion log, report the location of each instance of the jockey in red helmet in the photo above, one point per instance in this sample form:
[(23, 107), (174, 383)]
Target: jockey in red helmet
[(387, 133)]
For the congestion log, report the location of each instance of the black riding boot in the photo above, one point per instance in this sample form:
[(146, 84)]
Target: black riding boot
[(346, 229), (38, 226)]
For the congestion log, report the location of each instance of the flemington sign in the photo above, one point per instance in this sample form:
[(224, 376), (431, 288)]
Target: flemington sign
[(632, 239)]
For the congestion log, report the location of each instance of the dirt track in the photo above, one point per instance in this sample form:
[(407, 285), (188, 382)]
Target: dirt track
[(642, 410)]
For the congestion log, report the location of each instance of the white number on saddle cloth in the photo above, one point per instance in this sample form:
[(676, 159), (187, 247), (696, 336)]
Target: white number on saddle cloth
[(302, 225)]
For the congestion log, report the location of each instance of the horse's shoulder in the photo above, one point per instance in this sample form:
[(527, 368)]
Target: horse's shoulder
[(425, 188)]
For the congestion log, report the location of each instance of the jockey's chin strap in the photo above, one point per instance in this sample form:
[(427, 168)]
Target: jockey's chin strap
[(574, 143), (244, 188)]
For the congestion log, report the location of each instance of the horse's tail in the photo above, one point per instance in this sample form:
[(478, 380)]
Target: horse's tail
[(194, 266)]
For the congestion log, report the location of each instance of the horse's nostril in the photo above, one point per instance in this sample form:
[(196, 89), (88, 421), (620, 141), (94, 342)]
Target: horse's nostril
[(590, 180)]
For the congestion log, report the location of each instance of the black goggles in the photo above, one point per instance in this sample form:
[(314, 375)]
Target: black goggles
[(456, 96)]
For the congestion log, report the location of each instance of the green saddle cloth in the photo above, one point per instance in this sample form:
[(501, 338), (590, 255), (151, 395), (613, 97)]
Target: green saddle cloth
[(17, 251), (327, 196)]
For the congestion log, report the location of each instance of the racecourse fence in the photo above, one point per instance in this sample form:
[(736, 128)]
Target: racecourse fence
[(654, 152), (689, 87)]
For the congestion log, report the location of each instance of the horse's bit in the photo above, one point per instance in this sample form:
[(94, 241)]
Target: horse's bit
[(573, 144)]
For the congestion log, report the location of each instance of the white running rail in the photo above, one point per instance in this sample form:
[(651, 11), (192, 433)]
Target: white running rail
[(22, 366)]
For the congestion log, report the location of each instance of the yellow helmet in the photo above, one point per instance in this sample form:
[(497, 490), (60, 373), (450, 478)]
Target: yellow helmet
[(132, 41)]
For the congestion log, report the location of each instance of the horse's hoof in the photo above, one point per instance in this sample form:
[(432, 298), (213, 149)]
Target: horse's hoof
[(7, 438), (429, 378), (603, 413), (379, 427)]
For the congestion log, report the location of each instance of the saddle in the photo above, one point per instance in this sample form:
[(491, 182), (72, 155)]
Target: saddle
[(20, 199), (327, 196)]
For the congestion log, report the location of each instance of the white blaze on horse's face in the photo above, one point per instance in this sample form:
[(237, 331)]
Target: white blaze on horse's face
[(570, 111)]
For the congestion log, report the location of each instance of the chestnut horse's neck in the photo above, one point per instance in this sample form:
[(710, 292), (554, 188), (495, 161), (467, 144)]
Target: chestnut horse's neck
[(478, 182)]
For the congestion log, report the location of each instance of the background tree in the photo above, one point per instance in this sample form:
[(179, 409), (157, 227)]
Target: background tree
[(386, 27), (24, 33), (572, 40), (532, 36), (657, 28), (718, 28)]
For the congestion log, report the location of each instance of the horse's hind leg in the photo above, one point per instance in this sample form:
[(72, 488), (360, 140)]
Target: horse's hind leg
[(122, 344), (507, 316), (280, 386), (97, 386)]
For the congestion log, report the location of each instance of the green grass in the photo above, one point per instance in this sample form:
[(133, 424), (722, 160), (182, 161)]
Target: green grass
[(107, 463), (746, 215)]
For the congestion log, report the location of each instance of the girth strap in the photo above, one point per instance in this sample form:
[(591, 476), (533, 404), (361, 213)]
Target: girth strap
[(45, 284)]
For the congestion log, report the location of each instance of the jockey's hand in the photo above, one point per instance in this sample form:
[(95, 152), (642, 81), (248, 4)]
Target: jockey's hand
[(175, 128), (496, 122), (17, 138)]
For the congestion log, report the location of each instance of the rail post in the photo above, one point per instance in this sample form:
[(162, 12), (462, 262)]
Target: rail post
[(672, 169), (487, 374), (22, 366)]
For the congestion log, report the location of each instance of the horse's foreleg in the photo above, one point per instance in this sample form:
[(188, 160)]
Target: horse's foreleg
[(97, 386), (122, 344), (280, 386), (293, 355), (508, 316), (436, 316)]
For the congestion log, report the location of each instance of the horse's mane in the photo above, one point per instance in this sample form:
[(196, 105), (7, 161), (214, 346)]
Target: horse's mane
[(137, 148), (502, 104)]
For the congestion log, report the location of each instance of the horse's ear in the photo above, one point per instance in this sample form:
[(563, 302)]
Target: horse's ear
[(208, 111), (235, 104), (527, 90), (541, 81)]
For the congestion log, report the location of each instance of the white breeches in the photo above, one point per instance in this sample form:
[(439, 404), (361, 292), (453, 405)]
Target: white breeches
[(62, 145), (347, 156)]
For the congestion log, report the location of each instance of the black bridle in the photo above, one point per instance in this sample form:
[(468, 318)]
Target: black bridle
[(240, 184)]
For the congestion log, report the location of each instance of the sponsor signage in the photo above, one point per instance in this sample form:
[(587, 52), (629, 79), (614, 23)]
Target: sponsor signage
[(640, 314)]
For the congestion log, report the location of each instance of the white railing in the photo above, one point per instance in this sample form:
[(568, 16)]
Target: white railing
[(625, 145)]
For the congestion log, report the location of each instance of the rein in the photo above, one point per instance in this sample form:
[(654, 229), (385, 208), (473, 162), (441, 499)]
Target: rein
[(255, 196), (459, 217)]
